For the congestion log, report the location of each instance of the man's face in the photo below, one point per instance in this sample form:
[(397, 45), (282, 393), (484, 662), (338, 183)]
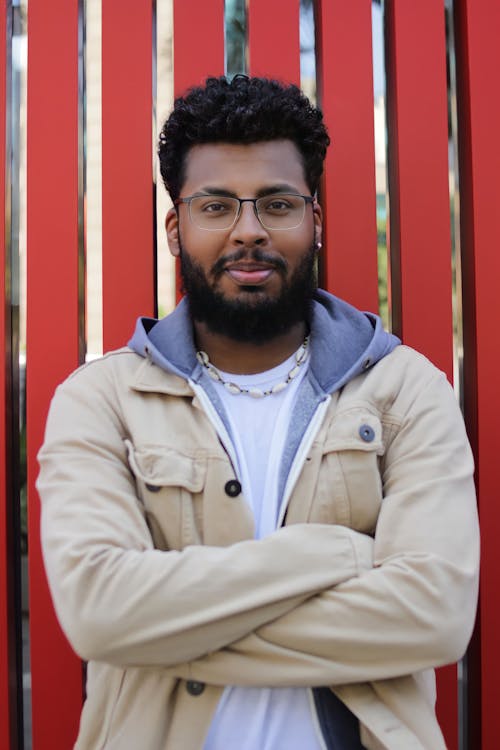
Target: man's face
[(247, 281)]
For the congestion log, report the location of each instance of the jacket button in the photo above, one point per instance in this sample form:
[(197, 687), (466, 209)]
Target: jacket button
[(232, 488), (366, 433), (195, 688), (153, 487)]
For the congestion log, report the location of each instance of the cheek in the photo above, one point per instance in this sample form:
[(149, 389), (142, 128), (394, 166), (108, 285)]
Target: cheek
[(294, 246), (205, 247)]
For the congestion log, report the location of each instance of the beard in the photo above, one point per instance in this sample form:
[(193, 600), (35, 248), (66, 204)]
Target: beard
[(257, 317)]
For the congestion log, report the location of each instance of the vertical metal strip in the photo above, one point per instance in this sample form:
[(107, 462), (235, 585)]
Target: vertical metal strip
[(420, 211), (7, 720), (198, 42), (128, 281), (447, 704), (418, 178), (345, 87), (10, 610), (6, 697), (454, 200), (206, 36), (274, 39), (52, 328), (462, 676), (478, 61), (154, 156), (82, 187)]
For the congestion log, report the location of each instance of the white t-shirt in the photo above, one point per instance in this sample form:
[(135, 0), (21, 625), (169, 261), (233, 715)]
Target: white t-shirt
[(263, 718)]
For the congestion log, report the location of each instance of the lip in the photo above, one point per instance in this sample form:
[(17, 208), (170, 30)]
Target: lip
[(249, 274)]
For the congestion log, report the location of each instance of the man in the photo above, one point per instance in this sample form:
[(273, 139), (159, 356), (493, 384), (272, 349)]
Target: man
[(258, 519)]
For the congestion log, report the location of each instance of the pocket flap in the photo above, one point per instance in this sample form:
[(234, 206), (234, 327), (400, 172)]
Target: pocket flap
[(355, 429), (163, 466)]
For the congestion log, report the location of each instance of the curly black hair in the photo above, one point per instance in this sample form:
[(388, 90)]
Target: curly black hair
[(241, 110)]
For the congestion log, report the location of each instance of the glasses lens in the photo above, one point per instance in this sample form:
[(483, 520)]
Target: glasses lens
[(281, 211), (213, 211)]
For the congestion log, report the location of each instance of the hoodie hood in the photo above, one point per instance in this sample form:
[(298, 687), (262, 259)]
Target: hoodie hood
[(344, 342)]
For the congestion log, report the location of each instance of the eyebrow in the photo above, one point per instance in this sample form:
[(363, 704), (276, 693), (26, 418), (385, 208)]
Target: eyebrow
[(282, 187)]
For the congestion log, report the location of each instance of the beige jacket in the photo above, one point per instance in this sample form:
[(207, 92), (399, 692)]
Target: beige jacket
[(159, 584)]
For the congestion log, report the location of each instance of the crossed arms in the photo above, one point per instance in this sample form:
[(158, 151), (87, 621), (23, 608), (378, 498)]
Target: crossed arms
[(311, 604)]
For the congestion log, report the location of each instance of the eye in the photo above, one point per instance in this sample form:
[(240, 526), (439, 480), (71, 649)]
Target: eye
[(214, 205), (278, 204)]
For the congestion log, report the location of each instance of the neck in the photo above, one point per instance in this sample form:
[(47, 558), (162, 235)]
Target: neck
[(243, 357)]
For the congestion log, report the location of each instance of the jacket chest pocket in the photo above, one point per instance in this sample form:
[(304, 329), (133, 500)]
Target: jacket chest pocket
[(349, 487), (170, 486)]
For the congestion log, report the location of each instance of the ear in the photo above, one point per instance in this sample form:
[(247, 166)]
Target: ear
[(318, 223), (172, 229)]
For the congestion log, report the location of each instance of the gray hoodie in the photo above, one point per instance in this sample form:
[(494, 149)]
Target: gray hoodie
[(344, 343)]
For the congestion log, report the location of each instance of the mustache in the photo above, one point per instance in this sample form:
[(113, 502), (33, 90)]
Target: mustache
[(257, 254)]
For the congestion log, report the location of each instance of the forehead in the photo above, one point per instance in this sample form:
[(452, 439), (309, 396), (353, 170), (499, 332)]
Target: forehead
[(244, 168)]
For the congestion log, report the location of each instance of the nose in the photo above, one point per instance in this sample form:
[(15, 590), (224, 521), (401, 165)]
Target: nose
[(247, 229)]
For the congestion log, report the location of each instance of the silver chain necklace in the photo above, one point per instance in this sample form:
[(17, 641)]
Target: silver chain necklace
[(213, 372)]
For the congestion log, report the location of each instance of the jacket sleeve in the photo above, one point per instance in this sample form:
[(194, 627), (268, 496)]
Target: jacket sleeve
[(415, 609), (122, 601)]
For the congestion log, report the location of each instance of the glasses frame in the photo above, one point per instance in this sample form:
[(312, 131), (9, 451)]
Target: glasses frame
[(307, 199)]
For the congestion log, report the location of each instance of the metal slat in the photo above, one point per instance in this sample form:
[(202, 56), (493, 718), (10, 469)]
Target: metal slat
[(418, 178), (274, 39), (10, 621), (345, 88), (477, 29), (420, 237), (198, 42), (52, 328), (128, 265), (5, 552), (198, 33)]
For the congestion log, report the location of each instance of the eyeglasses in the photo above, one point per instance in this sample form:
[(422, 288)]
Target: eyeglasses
[(219, 212)]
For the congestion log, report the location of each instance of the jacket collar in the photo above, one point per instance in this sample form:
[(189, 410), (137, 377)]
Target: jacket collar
[(150, 378), (344, 342)]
